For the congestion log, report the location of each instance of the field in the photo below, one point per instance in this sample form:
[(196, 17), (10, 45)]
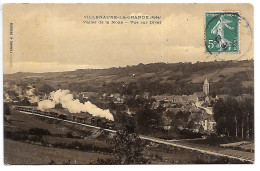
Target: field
[(96, 80), (23, 153), (63, 143), (73, 144)]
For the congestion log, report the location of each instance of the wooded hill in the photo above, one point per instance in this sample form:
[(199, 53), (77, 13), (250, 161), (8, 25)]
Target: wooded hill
[(225, 77)]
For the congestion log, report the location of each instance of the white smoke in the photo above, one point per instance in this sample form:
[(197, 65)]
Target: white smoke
[(34, 99), (73, 105), (46, 104)]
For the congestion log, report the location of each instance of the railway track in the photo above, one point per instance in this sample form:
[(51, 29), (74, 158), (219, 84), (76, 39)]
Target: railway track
[(156, 140)]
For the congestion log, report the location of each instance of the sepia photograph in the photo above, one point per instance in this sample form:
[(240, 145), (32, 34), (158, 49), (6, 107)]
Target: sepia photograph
[(128, 84)]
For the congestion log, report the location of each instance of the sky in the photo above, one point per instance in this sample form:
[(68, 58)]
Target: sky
[(53, 37)]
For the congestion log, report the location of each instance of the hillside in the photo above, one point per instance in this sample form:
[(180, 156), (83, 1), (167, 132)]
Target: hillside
[(158, 78)]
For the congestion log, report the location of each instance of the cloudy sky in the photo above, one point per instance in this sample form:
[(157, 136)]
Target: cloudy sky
[(52, 37)]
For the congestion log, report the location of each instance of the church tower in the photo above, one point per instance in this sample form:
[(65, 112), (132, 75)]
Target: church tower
[(206, 87)]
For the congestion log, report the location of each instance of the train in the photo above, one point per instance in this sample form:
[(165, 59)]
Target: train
[(94, 121)]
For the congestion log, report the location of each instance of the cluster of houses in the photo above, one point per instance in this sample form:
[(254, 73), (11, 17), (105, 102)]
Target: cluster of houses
[(199, 105)]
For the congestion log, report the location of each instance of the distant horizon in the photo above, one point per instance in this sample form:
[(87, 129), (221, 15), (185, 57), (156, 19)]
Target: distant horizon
[(58, 40), (117, 67)]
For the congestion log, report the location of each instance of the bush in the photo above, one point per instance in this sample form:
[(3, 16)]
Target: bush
[(222, 160), (39, 131), (7, 109), (17, 136), (83, 147), (189, 134), (69, 135), (107, 161), (76, 145)]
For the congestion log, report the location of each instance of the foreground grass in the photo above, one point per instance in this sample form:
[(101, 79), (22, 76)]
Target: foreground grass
[(59, 148), (22, 153)]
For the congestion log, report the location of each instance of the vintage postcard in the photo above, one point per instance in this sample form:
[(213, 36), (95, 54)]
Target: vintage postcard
[(128, 84)]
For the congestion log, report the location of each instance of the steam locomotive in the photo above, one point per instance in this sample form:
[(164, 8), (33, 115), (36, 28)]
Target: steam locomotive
[(94, 121)]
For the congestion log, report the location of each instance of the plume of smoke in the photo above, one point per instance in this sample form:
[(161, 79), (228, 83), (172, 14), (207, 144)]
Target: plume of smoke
[(46, 104), (34, 99), (73, 105)]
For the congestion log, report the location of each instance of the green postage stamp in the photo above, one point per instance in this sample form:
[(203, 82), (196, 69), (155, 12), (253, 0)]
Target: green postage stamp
[(222, 32)]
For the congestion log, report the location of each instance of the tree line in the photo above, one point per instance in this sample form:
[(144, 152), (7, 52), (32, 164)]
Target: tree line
[(235, 118)]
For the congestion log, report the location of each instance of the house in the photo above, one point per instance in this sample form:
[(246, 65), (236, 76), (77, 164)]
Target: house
[(129, 112), (87, 95), (198, 128), (165, 98), (117, 98), (146, 95), (243, 97), (173, 110), (155, 105), (167, 105), (194, 109), (212, 126), (208, 122), (222, 96), (207, 99), (115, 95), (166, 121), (199, 96)]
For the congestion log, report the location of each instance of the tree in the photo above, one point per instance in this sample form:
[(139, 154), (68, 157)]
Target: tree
[(44, 88), (247, 118), (12, 93), (6, 109), (232, 110), (132, 88), (220, 116), (25, 102), (147, 120), (235, 118), (125, 120), (226, 114), (128, 148)]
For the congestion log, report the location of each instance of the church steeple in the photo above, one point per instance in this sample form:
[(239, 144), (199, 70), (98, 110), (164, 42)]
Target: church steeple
[(206, 87)]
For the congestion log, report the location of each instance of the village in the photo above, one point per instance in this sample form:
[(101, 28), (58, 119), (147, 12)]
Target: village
[(199, 105), (196, 109)]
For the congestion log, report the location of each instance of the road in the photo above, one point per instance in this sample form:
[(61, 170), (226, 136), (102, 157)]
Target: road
[(221, 152)]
